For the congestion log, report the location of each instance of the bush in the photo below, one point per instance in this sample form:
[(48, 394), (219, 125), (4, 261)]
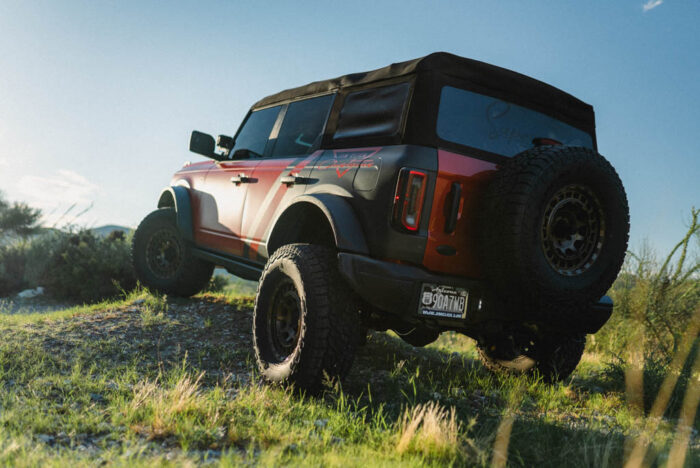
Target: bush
[(217, 283), (652, 336), (82, 266), (74, 266), (655, 301), (13, 260), (655, 371)]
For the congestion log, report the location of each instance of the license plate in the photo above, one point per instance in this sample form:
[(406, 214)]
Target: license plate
[(443, 301)]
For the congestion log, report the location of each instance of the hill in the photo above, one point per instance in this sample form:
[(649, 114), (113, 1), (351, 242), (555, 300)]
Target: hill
[(146, 381), (104, 231)]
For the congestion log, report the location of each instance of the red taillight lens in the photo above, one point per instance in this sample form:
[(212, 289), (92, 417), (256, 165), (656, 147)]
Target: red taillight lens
[(409, 198)]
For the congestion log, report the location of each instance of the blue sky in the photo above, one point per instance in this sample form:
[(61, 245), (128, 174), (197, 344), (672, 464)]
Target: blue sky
[(97, 99)]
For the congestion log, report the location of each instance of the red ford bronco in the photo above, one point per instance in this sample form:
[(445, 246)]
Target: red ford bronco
[(436, 194)]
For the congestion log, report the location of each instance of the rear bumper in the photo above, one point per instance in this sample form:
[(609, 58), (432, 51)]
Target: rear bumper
[(395, 288)]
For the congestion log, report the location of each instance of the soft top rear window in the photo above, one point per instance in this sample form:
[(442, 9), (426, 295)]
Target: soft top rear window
[(374, 112), (489, 124)]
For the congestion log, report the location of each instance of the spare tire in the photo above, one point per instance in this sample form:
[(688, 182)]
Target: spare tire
[(556, 229)]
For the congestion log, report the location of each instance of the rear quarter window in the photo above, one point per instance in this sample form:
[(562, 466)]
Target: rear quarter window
[(302, 126), (374, 112), (489, 124)]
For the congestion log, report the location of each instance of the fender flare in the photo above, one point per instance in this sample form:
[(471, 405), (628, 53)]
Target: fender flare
[(347, 230), (178, 197)]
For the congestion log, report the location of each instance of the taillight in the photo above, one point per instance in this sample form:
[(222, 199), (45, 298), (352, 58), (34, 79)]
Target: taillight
[(409, 198)]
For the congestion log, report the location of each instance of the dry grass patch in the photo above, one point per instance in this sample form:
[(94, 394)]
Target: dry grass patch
[(430, 430), (158, 412)]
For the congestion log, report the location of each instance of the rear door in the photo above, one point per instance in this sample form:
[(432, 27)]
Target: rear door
[(225, 188), (281, 175)]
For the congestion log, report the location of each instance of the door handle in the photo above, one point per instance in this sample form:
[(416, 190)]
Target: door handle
[(292, 179), (240, 179)]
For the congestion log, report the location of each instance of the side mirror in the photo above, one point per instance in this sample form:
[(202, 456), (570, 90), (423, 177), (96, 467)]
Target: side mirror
[(204, 144), (225, 142)]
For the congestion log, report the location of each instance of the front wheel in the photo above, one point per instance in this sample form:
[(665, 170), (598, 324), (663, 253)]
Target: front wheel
[(553, 357), (163, 260), (306, 323)]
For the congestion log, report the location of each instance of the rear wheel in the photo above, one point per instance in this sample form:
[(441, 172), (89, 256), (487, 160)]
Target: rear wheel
[(306, 323), (553, 357), (163, 260)]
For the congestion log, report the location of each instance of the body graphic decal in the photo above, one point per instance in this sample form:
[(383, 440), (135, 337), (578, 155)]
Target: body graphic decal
[(344, 160)]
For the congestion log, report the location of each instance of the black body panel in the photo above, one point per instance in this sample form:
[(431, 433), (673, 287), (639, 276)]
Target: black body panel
[(347, 231), (395, 288), (234, 265), (179, 198), (366, 180)]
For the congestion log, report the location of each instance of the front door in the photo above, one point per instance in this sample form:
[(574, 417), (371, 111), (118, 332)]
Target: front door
[(281, 174), (223, 194)]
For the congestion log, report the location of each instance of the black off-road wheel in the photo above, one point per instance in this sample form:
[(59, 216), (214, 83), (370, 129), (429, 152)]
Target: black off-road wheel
[(555, 230), (554, 358), (306, 323), (162, 259)]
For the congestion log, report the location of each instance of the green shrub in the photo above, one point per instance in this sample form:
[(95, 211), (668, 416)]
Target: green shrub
[(652, 336), (217, 283), (81, 266), (654, 301), (655, 371), (75, 266), (13, 260)]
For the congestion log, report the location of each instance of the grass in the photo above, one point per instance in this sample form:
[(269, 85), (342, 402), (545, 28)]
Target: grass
[(147, 380), (150, 381)]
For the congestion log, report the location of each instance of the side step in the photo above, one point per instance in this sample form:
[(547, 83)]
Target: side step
[(241, 269)]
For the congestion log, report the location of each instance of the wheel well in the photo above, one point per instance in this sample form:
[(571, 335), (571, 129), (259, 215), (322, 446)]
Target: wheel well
[(166, 200), (301, 223)]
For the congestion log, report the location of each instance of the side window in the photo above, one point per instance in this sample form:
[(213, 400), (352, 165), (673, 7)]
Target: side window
[(374, 112), (302, 126), (256, 130)]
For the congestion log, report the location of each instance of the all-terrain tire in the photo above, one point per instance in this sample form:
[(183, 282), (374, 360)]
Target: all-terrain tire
[(163, 260), (554, 358), (303, 280), (555, 230)]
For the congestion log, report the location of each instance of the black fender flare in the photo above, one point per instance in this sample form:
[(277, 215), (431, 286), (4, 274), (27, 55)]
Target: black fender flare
[(347, 230), (178, 197)]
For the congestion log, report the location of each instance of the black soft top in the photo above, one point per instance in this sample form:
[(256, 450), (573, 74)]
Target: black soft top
[(441, 68)]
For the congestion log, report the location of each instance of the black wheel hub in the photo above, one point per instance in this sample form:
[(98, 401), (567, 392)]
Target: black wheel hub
[(573, 229), (164, 253), (284, 319)]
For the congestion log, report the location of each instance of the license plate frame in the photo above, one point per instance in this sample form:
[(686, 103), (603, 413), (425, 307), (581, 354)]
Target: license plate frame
[(443, 301)]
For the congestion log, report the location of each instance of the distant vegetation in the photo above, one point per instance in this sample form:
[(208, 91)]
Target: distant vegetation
[(17, 220), (72, 264), (652, 340)]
